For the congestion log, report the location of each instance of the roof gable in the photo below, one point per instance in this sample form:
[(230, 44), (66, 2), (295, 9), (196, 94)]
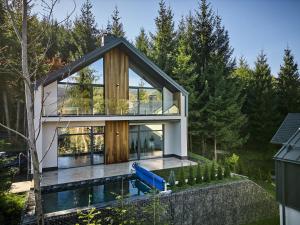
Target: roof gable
[(134, 54)]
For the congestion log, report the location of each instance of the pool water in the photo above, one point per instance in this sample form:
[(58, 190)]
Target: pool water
[(92, 194)]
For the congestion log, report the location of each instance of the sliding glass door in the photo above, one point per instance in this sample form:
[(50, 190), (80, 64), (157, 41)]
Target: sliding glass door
[(145, 141), (80, 146)]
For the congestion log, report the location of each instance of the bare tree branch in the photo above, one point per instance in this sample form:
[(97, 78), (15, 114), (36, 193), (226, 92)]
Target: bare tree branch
[(14, 131), (12, 19)]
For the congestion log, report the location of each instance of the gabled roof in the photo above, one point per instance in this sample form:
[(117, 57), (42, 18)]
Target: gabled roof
[(290, 151), (134, 54), (286, 130)]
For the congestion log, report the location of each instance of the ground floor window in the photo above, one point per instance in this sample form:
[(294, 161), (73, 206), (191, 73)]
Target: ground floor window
[(80, 146), (145, 141)]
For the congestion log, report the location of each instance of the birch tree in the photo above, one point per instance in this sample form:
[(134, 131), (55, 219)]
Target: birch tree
[(28, 75)]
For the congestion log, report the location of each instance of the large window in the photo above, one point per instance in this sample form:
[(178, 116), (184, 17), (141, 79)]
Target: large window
[(83, 92), (145, 141), (80, 146), (144, 99)]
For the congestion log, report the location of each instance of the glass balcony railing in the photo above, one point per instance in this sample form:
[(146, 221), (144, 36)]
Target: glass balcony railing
[(81, 100)]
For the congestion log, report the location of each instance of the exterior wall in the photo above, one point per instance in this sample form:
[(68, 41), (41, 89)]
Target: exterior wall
[(50, 99), (292, 216)]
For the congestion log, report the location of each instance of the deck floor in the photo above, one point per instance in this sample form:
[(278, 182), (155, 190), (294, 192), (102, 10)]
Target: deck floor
[(62, 176)]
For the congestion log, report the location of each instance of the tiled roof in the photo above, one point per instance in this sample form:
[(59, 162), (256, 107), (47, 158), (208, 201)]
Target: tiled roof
[(286, 130)]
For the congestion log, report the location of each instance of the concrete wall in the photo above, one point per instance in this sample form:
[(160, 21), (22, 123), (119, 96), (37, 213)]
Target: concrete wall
[(292, 216)]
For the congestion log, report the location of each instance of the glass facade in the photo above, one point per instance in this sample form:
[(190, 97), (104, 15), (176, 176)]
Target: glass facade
[(80, 146), (145, 141)]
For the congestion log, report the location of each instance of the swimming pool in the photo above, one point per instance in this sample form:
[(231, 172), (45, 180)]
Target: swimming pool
[(92, 194)]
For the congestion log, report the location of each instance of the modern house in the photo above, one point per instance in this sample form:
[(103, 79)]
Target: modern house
[(112, 105), (287, 169)]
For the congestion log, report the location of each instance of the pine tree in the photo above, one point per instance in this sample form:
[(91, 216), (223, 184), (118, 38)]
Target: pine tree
[(116, 27), (261, 103), (163, 41), (288, 88), (142, 42), (85, 35)]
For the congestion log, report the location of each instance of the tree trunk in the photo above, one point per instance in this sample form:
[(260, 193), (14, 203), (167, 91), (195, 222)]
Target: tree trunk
[(6, 112), (30, 117), (18, 116), (215, 147)]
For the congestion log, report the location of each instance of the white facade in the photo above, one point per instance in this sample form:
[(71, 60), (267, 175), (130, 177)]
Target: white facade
[(292, 216), (47, 121)]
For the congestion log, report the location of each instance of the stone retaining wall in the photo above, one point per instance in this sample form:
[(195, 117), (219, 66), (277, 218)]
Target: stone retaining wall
[(234, 203)]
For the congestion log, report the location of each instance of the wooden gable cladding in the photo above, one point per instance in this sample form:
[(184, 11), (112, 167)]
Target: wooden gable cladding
[(116, 82), (116, 141)]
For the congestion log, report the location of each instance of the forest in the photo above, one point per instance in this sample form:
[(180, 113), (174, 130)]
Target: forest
[(231, 105)]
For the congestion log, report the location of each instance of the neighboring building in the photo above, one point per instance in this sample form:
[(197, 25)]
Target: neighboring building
[(112, 105), (287, 169)]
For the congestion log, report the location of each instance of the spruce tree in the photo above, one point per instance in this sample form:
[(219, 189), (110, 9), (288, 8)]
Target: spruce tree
[(288, 87), (142, 42), (116, 26), (85, 35), (163, 43), (261, 104), (223, 110)]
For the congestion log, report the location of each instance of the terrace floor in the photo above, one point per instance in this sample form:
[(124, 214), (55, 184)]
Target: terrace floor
[(70, 175)]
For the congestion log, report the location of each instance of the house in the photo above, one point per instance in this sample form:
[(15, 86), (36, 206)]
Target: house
[(287, 169), (110, 106)]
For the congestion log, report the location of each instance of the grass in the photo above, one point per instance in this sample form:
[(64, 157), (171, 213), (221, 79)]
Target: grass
[(11, 206), (269, 221)]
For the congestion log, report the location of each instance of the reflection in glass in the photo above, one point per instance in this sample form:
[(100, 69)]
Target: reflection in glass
[(80, 146)]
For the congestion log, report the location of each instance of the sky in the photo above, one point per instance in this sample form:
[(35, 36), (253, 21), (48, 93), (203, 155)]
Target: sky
[(253, 25)]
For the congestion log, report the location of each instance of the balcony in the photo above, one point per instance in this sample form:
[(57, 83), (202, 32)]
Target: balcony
[(82, 100)]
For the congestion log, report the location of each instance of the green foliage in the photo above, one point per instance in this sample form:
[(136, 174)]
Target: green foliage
[(163, 40), (206, 176), (191, 179), (232, 161), (220, 173), (213, 171), (116, 28), (288, 85), (172, 178), (240, 168), (199, 174), (89, 217), (227, 171), (11, 206), (261, 105), (142, 42), (181, 181)]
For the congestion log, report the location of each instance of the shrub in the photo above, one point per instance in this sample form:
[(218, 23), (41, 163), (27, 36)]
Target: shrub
[(232, 161), (199, 174), (240, 168), (191, 175), (220, 173), (172, 178), (181, 181), (213, 171), (11, 206), (206, 177), (227, 171)]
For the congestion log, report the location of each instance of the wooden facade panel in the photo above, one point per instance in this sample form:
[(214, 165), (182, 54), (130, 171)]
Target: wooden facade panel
[(116, 82), (116, 142)]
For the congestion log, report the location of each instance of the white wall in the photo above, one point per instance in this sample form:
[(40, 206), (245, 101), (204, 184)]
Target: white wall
[(292, 216), (50, 99)]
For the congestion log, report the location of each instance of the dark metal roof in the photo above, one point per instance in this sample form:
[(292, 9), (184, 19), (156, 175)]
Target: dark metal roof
[(134, 54), (290, 151), (288, 127)]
